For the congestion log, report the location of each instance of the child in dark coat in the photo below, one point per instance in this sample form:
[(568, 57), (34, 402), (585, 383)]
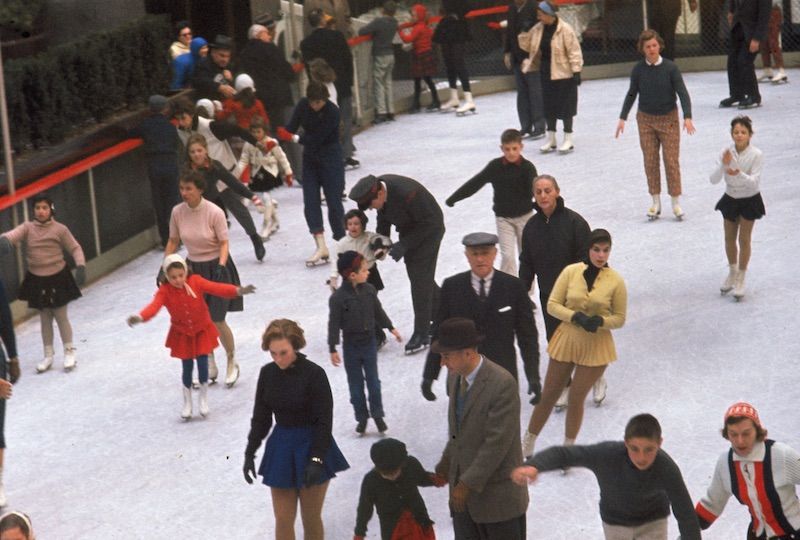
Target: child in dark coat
[(392, 488)]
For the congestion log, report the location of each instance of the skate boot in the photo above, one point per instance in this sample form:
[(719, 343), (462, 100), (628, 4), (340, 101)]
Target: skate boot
[(676, 209), (361, 427), (549, 143), (766, 75), (567, 146), (563, 400), (415, 106), (232, 373), (468, 106), (268, 224), (780, 77), (203, 400), (321, 255), (417, 343), (70, 360), (599, 390), (730, 281), (351, 164), (258, 246), (381, 425), (738, 286), (654, 211), (213, 372), (45, 364), (451, 104), (528, 443), (186, 412), (435, 105)]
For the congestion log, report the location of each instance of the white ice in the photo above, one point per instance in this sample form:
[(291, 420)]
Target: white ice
[(100, 453)]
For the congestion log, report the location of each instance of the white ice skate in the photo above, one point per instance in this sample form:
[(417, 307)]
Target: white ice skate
[(738, 286), (468, 106), (563, 400), (203, 400), (730, 281), (780, 77), (567, 146), (70, 359), (321, 255), (677, 211), (232, 372), (47, 361), (549, 143), (186, 412), (654, 212), (451, 104), (766, 76), (599, 391)]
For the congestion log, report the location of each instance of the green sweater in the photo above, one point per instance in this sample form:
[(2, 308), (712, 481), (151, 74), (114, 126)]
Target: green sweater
[(656, 86)]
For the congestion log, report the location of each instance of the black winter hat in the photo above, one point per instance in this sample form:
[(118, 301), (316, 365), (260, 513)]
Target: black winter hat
[(388, 454), (348, 262)]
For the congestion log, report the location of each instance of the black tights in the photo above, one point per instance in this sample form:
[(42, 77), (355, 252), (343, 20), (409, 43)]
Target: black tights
[(418, 88), (551, 124), (454, 64)]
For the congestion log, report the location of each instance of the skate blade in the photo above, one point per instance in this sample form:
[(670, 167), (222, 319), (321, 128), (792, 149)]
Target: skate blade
[(230, 384), (723, 292), (69, 369), (782, 81), (651, 217), (186, 418), (312, 264), (465, 113), (598, 403), (567, 151), (560, 408), (679, 218), (409, 352), (738, 298), (547, 150)]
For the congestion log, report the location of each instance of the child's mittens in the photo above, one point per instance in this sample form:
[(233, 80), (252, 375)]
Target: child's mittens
[(247, 289), (286, 135), (380, 247), (257, 200), (80, 275), (133, 320), (288, 179), (438, 480)]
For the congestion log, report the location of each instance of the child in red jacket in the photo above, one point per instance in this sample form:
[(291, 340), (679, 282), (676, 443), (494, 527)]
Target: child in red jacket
[(191, 335), (423, 61), (244, 105)]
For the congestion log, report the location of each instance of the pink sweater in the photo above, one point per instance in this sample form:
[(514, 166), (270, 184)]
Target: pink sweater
[(45, 244)]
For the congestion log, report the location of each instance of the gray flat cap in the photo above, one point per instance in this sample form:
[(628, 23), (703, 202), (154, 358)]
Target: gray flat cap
[(479, 239)]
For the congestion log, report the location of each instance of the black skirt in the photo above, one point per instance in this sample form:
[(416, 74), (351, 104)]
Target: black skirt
[(750, 208), (560, 97), (217, 306), (51, 291), (263, 181)]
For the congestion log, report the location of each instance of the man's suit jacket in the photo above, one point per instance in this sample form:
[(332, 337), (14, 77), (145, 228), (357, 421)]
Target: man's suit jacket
[(753, 15), (413, 211), (485, 447), (507, 312)]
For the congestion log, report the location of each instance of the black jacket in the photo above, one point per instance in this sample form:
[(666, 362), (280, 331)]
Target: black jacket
[(333, 48), (355, 312), (753, 15), (207, 78), (519, 20), (505, 314), (270, 71), (412, 210)]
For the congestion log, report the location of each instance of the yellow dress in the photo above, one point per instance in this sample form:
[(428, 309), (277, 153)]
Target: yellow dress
[(608, 298)]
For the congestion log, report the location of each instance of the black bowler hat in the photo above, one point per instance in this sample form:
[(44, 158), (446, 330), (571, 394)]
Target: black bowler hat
[(365, 191), (455, 334), (222, 42)]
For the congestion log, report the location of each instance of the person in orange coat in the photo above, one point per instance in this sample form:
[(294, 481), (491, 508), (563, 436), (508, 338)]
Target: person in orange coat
[(423, 60), (191, 335), (244, 105)]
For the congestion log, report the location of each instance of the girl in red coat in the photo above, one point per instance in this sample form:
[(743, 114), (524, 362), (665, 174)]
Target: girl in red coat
[(192, 335), (423, 61)]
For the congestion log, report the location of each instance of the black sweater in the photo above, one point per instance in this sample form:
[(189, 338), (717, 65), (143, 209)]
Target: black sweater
[(628, 496), (512, 184), (355, 311), (392, 497), (160, 137), (656, 87), (218, 172), (298, 396)]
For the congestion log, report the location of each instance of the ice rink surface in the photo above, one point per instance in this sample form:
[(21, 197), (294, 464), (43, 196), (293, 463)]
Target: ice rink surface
[(101, 453)]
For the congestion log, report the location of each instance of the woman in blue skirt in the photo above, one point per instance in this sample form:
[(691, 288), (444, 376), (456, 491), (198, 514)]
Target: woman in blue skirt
[(300, 456)]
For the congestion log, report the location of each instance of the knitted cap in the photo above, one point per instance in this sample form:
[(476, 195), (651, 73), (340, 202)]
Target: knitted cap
[(174, 258), (388, 454), (208, 105), (348, 262), (743, 410), (244, 81)]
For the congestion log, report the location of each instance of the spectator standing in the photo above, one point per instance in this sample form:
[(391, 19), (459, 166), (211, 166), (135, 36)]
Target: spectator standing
[(212, 78), (771, 47), (530, 108), (183, 65), (382, 29), (183, 34), (749, 22), (337, 10), (423, 61), (451, 34), (662, 16)]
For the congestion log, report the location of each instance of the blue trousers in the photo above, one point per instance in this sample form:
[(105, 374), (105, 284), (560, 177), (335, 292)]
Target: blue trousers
[(361, 363), (325, 173), (202, 370), (530, 107)]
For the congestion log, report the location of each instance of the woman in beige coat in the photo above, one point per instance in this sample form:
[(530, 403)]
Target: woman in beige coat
[(554, 50), (590, 300)]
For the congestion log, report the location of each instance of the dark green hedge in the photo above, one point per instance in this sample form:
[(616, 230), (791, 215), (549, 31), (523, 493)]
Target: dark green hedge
[(84, 81)]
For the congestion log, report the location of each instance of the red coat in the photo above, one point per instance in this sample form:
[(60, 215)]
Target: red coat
[(421, 35), (243, 116), (191, 332)]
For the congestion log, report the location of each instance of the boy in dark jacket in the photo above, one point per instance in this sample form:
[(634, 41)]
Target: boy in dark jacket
[(354, 311), (391, 487)]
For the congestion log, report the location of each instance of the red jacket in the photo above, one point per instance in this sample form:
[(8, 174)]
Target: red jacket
[(243, 116), (191, 332), (421, 35)]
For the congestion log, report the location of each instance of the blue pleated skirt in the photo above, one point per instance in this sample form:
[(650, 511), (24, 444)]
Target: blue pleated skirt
[(286, 455)]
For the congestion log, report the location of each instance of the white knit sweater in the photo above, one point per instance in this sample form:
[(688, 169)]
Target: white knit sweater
[(747, 182)]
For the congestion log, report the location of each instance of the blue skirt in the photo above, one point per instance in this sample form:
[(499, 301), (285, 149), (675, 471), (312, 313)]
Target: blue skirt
[(286, 455)]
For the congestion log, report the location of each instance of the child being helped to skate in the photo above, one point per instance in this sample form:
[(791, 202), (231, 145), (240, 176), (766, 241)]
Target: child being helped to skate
[(392, 488), (355, 311), (265, 169), (191, 335)]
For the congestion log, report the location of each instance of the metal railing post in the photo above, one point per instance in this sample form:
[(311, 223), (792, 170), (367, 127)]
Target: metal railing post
[(93, 203)]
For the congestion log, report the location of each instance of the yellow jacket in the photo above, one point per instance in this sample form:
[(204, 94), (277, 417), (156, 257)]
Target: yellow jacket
[(608, 298)]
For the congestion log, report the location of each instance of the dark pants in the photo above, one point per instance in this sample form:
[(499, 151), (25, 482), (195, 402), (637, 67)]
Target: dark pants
[(293, 151), (453, 54), (361, 364), (163, 178), (233, 203), (552, 120), (202, 370), (326, 173), (664, 15), (530, 108), (742, 80), (346, 126), (421, 270), (418, 91), (466, 529)]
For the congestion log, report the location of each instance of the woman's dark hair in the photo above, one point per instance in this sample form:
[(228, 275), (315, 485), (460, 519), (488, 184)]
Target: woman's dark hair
[(599, 236), (743, 121), (317, 91), (647, 35), (190, 176), (355, 212), (549, 179), (183, 105), (321, 71), (180, 25), (177, 265), (14, 520), (44, 197), (283, 329)]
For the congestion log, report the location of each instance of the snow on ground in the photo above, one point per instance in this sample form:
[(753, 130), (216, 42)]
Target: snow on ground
[(102, 454)]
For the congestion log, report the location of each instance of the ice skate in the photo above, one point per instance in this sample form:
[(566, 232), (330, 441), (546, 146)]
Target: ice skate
[(47, 361), (232, 372), (213, 372), (270, 223), (738, 286), (567, 146), (258, 246), (730, 281), (599, 391), (351, 164), (70, 360), (563, 400), (780, 77), (381, 425), (676, 209), (468, 106), (766, 75), (321, 255), (654, 212), (451, 104), (361, 427), (417, 343), (186, 412), (435, 106), (549, 143), (203, 400)]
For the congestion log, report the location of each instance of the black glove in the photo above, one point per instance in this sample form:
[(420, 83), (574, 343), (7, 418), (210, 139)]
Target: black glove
[(221, 275), (450, 202), (595, 322), (577, 78), (427, 393), (315, 474), (397, 251), (582, 320), (249, 469), (535, 388), (80, 275)]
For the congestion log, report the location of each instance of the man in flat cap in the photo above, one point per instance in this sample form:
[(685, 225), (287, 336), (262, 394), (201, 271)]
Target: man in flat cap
[(483, 442), (212, 78), (501, 309), (406, 204)]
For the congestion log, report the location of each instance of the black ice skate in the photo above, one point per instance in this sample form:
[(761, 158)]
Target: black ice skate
[(417, 343)]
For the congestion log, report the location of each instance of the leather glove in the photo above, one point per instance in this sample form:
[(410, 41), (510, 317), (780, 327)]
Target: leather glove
[(315, 474), (161, 278), (288, 179), (221, 274), (427, 393), (249, 469), (247, 289), (450, 202), (439, 480), (595, 322), (535, 388), (80, 275), (133, 320), (13, 370), (577, 78), (397, 251), (582, 320), (458, 497)]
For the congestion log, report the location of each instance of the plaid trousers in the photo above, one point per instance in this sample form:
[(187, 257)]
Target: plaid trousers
[(661, 132)]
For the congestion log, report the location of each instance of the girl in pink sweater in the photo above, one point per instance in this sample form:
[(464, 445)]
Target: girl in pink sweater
[(48, 284)]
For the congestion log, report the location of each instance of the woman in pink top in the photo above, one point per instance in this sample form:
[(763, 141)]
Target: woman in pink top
[(48, 284), (200, 225)]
